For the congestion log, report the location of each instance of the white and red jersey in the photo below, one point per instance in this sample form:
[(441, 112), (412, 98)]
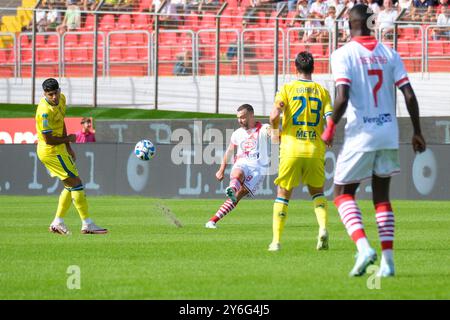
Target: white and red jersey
[(371, 69), (252, 145)]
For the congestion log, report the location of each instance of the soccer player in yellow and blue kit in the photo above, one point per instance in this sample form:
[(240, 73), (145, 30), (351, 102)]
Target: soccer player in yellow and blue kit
[(305, 105), (56, 154)]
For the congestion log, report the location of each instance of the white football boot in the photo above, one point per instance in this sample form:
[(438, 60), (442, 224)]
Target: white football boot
[(363, 260), (92, 228), (210, 225), (387, 269), (274, 247), (59, 228), (322, 240)]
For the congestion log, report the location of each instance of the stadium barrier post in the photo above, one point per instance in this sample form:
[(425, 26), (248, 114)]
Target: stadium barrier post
[(336, 29), (158, 12), (219, 13), (395, 46), (33, 55), (276, 48), (95, 56)]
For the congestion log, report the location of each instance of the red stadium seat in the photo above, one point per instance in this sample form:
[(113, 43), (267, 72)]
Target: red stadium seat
[(53, 41), (131, 54), (89, 23), (208, 21), (168, 38), (137, 39), (3, 56), (145, 5), (141, 22), (435, 48), (25, 42), (124, 22), (80, 55), (107, 23), (70, 40), (403, 49), (115, 54), (118, 39), (47, 55), (40, 41), (407, 33), (416, 49)]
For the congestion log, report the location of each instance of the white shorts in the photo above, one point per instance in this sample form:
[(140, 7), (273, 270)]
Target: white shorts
[(354, 167), (253, 176)]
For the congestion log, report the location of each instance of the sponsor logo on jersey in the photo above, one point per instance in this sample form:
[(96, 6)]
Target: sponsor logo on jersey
[(380, 120), (306, 135)]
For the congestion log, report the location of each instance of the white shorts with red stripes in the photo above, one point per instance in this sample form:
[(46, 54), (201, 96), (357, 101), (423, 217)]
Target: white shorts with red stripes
[(254, 176), (354, 167)]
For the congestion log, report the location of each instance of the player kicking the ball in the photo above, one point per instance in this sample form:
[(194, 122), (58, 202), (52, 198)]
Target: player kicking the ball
[(251, 161)]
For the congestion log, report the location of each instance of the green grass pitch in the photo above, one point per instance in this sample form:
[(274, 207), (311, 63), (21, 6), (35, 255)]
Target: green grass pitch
[(145, 256)]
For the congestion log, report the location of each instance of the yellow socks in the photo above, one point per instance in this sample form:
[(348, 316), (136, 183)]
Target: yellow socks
[(321, 208), (80, 202), (65, 200), (280, 209)]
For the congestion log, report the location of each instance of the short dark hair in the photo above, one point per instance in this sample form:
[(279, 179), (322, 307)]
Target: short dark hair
[(304, 62), (247, 107), (50, 85), (85, 119)]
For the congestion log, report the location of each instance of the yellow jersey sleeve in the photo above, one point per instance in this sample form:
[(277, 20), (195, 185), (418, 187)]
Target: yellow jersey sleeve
[(42, 119), (282, 96), (327, 107)]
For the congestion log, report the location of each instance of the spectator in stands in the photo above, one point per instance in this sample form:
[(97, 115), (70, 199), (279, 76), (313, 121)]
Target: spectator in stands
[(191, 6), (320, 8), (404, 4), (329, 24), (302, 12), (168, 18), (311, 31), (127, 5), (373, 4), (442, 3), (443, 19), (110, 5), (206, 6), (386, 18), (47, 18), (422, 3), (183, 66), (72, 18), (85, 134), (89, 5), (429, 16)]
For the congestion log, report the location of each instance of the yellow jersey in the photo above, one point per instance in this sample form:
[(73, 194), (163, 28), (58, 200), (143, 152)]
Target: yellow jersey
[(306, 105), (50, 119)]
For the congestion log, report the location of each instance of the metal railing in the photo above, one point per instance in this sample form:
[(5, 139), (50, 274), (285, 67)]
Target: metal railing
[(208, 58)]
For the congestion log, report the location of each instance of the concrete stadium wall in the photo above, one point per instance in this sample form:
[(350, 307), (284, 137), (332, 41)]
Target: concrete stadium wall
[(198, 93), (112, 169)]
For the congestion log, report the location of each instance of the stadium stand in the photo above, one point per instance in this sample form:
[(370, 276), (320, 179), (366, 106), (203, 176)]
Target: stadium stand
[(126, 44)]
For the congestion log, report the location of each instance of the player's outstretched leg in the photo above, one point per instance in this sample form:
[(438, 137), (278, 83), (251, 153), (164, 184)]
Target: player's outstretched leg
[(224, 209), (321, 211), (232, 190), (280, 210), (58, 226), (386, 225), (80, 202), (351, 217)]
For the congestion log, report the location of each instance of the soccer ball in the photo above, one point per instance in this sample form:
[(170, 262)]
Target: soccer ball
[(144, 150)]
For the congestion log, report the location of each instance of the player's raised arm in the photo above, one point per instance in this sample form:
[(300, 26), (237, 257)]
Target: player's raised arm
[(418, 142), (228, 154)]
